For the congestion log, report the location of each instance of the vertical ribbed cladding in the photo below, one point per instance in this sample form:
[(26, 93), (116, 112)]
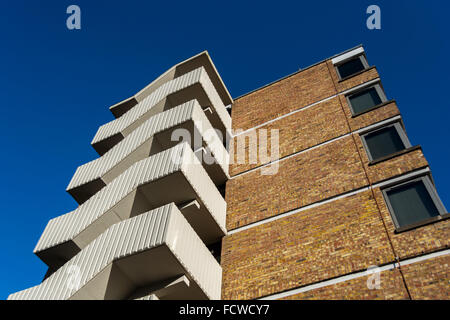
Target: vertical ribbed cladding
[(150, 229), (190, 110), (53, 232), (117, 125), (196, 76), (86, 173), (214, 143), (217, 103), (158, 123), (66, 227), (192, 253), (204, 186), (125, 238)]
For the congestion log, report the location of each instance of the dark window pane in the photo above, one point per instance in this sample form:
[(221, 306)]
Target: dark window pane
[(384, 142), (412, 203), (350, 67), (364, 100)]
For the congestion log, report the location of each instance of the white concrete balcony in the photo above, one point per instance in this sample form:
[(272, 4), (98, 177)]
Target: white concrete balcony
[(156, 255), (195, 84), (200, 60), (174, 175), (151, 137)]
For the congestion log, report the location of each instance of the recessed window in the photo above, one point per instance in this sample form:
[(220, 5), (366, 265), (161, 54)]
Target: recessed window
[(366, 99), (351, 67), (385, 141), (414, 203)]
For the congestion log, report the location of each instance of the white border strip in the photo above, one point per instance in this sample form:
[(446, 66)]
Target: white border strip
[(364, 129), (291, 212), (365, 84), (286, 115), (404, 177), (354, 276), (347, 55), (425, 257)]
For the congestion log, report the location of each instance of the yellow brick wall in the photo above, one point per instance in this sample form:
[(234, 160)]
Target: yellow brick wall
[(332, 239)]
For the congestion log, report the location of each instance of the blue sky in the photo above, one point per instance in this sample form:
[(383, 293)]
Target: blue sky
[(56, 85)]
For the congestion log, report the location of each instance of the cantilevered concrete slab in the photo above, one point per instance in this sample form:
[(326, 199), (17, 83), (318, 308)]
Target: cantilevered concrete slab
[(156, 255), (195, 84), (200, 60), (174, 175), (151, 137)]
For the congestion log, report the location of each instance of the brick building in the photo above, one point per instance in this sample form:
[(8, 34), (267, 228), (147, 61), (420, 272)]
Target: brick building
[(316, 193), (351, 193)]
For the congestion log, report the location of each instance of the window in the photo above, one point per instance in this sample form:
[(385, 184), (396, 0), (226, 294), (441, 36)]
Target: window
[(351, 67), (366, 99), (414, 203), (385, 141)]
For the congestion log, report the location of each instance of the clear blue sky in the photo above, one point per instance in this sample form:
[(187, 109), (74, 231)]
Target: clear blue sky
[(56, 85)]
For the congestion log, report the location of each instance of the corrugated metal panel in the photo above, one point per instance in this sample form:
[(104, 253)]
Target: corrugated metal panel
[(198, 75), (96, 168), (66, 227), (213, 142), (215, 99), (204, 269), (204, 186), (158, 123), (117, 125), (165, 225)]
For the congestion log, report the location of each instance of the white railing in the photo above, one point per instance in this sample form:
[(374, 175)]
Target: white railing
[(64, 228), (164, 226), (197, 76), (189, 111)]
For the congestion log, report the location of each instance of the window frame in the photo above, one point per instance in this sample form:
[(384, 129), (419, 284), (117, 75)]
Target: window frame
[(379, 91), (400, 130), (429, 186), (361, 57)]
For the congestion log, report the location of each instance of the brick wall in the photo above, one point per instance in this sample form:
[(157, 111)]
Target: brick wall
[(429, 279), (282, 97), (391, 168), (391, 288), (330, 240), (302, 130), (324, 240), (318, 174)]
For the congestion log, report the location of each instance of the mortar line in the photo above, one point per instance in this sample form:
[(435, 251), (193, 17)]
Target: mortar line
[(373, 125), (400, 178), (356, 275)]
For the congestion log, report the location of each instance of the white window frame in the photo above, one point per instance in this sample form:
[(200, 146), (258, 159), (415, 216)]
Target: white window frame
[(434, 197), (398, 127), (361, 57), (380, 93)]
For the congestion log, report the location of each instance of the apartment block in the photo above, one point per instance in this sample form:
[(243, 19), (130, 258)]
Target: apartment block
[(351, 212), (151, 211), (311, 189)]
